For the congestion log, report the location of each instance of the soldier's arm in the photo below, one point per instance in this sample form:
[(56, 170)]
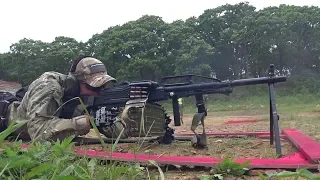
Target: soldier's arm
[(41, 104)]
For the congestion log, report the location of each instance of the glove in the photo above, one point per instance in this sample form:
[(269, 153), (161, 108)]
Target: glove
[(82, 124)]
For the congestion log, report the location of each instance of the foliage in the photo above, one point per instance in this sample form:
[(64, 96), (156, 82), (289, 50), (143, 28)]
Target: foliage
[(229, 42), (228, 167), (305, 173), (57, 160)]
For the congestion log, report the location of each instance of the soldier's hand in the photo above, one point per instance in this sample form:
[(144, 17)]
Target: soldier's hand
[(89, 122), (82, 124)]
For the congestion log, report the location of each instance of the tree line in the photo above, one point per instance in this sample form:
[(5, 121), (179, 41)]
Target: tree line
[(227, 42)]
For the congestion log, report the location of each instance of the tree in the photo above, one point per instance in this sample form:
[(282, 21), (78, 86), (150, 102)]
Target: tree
[(225, 28)]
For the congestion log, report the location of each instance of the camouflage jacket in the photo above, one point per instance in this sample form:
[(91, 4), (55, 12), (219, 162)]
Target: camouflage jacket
[(39, 105)]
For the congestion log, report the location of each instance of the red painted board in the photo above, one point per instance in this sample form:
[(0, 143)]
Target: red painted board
[(309, 147), (292, 162)]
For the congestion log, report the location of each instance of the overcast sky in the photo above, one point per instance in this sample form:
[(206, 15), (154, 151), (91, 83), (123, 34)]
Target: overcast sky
[(80, 19)]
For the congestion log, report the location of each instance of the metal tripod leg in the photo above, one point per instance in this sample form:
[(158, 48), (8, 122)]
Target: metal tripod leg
[(274, 121)]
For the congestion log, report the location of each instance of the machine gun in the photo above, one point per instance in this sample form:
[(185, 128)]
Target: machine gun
[(138, 102)]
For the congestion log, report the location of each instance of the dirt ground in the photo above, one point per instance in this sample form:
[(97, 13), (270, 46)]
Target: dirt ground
[(236, 147), (242, 147)]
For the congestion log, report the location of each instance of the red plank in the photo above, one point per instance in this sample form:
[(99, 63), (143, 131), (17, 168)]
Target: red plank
[(291, 162), (308, 146)]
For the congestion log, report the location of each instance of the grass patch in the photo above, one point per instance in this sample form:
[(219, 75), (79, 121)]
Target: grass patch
[(308, 125), (46, 160), (287, 104)]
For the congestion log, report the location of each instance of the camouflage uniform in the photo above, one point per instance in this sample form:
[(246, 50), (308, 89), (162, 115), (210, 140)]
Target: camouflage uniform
[(40, 105)]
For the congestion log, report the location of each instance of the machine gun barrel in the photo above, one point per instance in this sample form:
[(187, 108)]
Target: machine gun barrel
[(223, 84), (262, 80)]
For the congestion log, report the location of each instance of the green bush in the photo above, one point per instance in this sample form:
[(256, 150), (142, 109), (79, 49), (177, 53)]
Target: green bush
[(57, 160)]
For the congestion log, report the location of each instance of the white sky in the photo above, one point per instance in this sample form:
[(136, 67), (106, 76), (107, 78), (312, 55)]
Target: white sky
[(45, 19)]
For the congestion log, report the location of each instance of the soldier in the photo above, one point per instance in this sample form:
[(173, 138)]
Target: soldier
[(40, 106)]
